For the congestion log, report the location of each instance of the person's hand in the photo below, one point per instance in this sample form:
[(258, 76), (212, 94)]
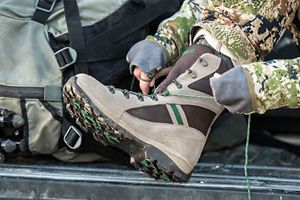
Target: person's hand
[(188, 58), (147, 60), (145, 82)]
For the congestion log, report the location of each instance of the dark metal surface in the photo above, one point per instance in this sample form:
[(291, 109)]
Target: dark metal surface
[(274, 174)]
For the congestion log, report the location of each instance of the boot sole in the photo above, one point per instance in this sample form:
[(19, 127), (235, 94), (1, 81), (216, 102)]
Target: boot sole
[(143, 156)]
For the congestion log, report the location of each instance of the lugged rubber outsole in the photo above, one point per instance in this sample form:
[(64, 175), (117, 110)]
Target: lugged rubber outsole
[(143, 156)]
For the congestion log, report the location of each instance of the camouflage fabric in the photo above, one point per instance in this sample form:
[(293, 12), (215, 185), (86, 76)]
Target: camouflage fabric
[(275, 84), (173, 33), (247, 28)]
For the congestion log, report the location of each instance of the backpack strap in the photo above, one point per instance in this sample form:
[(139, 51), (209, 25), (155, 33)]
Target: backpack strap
[(76, 141), (98, 52), (133, 23), (76, 36), (43, 10), (105, 46)]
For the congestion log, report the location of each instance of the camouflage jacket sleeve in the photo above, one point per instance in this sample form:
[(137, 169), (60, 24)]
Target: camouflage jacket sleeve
[(275, 84), (259, 87), (173, 33), (295, 29)]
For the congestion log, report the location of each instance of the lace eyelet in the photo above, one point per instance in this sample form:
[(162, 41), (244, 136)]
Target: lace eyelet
[(126, 93), (192, 73), (141, 99), (203, 62), (153, 97), (111, 89), (140, 96), (178, 85)]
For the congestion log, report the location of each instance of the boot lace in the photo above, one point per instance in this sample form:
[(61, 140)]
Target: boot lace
[(193, 75), (127, 93)]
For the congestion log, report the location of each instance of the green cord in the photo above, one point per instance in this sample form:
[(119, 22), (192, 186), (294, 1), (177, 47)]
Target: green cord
[(132, 83), (247, 158), (145, 80)]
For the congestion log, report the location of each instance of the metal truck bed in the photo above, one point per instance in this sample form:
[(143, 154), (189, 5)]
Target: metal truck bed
[(274, 174)]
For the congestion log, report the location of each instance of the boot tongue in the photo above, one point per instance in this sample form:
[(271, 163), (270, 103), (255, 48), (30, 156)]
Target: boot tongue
[(195, 80)]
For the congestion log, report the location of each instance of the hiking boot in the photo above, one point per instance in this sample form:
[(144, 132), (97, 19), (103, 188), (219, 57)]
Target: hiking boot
[(164, 134)]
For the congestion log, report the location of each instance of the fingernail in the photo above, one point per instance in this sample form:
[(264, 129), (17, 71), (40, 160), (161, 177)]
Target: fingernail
[(216, 75)]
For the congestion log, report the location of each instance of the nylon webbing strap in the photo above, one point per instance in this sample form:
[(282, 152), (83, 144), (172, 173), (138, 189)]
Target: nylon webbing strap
[(132, 23), (26, 125), (76, 36), (43, 10), (101, 47), (97, 52)]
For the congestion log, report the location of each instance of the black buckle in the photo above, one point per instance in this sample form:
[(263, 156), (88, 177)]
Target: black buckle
[(73, 138), (66, 57), (45, 5)]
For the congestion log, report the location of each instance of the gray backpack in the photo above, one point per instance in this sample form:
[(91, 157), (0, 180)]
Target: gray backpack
[(44, 42)]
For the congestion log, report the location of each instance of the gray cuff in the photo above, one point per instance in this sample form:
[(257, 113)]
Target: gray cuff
[(147, 55), (232, 90)]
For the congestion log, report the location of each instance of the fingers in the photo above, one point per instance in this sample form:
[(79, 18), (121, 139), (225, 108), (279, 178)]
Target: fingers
[(163, 72), (144, 80), (145, 87), (145, 83), (163, 86), (152, 83), (216, 75), (137, 73)]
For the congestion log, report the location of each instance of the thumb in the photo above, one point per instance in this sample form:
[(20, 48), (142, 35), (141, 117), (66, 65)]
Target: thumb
[(145, 87), (145, 83), (163, 72), (152, 83), (137, 73), (163, 86)]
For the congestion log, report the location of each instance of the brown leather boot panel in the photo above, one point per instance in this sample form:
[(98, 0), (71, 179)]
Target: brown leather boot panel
[(187, 60), (224, 67), (199, 118), (203, 84), (158, 114)]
